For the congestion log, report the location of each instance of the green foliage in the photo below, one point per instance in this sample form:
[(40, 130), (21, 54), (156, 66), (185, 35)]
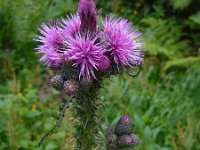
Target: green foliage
[(163, 100), (25, 16), (196, 17), (163, 38), (183, 63), (163, 116), (23, 120), (180, 4)]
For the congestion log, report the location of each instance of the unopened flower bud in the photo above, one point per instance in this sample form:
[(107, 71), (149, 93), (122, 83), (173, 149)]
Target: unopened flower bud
[(126, 141), (112, 141), (57, 82), (123, 129), (70, 87), (123, 126), (124, 119), (109, 131), (136, 139), (104, 63), (87, 13)]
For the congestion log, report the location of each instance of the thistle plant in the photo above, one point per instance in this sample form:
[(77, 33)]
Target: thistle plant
[(82, 53)]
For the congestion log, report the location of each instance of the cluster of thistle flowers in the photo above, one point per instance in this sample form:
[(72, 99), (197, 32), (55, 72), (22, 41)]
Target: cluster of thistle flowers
[(90, 51), (120, 136)]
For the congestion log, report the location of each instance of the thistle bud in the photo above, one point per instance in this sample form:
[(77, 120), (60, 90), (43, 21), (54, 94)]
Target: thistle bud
[(136, 139), (112, 141), (57, 82), (104, 63), (70, 87), (109, 131), (87, 13), (124, 119), (123, 129), (123, 126), (126, 141)]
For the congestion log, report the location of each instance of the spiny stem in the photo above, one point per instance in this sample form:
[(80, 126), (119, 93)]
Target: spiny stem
[(59, 119), (87, 109)]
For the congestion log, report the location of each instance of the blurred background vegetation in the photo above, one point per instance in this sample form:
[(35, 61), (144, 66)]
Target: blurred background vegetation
[(164, 101)]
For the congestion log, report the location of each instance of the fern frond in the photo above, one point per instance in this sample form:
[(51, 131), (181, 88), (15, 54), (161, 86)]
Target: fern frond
[(164, 38), (183, 63), (180, 4)]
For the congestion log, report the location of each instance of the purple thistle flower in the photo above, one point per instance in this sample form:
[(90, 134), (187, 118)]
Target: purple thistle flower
[(85, 51), (122, 41), (71, 25), (51, 39), (87, 13)]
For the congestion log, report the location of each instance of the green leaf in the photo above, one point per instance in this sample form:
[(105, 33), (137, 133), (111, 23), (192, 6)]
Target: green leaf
[(51, 146), (196, 17), (33, 114)]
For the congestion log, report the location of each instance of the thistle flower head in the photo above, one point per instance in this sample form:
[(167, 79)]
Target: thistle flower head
[(87, 13), (51, 41), (122, 41), (85, 52), (71, 25)]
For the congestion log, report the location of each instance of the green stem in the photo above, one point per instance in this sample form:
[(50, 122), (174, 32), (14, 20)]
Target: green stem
[(87, 108)]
